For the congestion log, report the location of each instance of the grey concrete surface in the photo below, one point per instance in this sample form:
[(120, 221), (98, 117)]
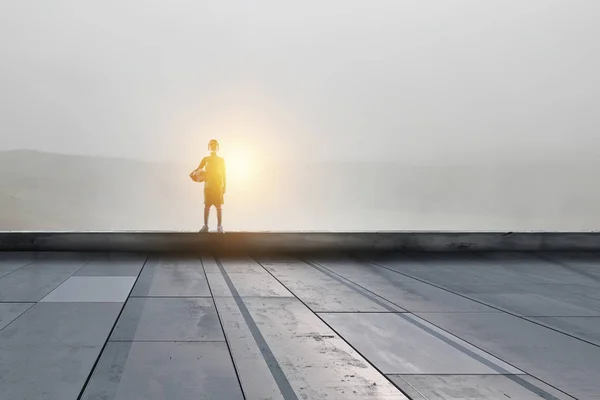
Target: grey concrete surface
[(406, 292), (114, 264), (172, 276), (480, 387), (12, 261), (451, 325), (320, 292), (49, 350), (316, 361), (568, 363), (159, 371), (159, 241), (536, 305), (10, 311), (254, 370), (398, 344), (586, 328), (249, 279), (532, 264), (33, 282), (92, 289), (168, 319)]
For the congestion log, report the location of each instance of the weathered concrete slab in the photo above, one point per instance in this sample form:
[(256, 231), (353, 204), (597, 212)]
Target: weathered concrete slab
[(265, 315), (569, 294), (404, 344), (467, 269), (11, 311), (542, 268), (570, 364), (316, 362), (34, 281), (233, 265), (319, 291), (299, 241), (253, 369), (158, 371), (10, 262), (586, 328), (248, 277), (92, 289), (480, 387), (172, 276), (403, 291), (523, 284), (168, 319), (535, 305), (586, 262), (49, 351), (583, 295), (114, 264)]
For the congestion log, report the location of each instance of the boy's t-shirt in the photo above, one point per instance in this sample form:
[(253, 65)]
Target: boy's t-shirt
[(214, 167)]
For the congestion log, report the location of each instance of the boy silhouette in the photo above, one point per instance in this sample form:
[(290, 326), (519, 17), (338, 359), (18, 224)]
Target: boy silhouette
[(215, 184)]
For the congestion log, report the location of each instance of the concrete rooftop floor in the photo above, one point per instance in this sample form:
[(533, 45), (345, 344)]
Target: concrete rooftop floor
[(418, 326)]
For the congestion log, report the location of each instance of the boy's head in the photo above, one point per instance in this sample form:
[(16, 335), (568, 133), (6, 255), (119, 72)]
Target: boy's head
[(213, 146)]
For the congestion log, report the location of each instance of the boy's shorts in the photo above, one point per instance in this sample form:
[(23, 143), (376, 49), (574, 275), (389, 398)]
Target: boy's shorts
[(213, 197)]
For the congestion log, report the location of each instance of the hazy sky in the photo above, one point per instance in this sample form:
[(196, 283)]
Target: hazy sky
[(344, 79)]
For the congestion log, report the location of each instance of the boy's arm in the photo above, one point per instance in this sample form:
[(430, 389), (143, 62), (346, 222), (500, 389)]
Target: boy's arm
[(202, 164)]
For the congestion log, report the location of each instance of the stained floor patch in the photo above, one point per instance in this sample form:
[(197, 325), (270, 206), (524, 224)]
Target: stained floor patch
[(168, 319), (479, 387), (158, 371), (97, 289)]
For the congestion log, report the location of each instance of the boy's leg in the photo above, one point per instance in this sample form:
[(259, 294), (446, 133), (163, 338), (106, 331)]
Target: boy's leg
[(207, 204), (219, 215), (206, 214), (219, 207)]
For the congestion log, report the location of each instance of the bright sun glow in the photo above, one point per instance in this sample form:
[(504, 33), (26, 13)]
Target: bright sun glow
[(238, 167)]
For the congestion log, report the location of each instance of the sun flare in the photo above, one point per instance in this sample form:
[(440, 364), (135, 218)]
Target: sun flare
[(238, 167)]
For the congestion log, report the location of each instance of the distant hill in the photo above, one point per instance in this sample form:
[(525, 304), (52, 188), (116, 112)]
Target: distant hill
[(50, 191), (42, 191)]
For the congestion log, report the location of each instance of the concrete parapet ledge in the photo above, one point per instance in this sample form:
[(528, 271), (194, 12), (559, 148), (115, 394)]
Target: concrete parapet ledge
[(295, 242)]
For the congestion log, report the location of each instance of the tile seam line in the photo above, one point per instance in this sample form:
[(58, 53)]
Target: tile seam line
[(447, 374), (466, 341), (167, 341), (18, 269), (413, 387), (35, 303), (107, 341), (85, 264), (253, 297), (564, 316), (170, 297), (31, 305), (336, 332), (431, 332), (524, 318), (235, 367), (359, 312), (468, 298), (374, 297), (279, 376), (515, 378)]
